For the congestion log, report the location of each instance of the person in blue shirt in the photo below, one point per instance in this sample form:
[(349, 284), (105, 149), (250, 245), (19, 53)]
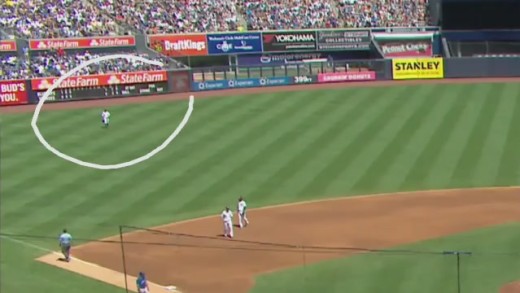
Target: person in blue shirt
[(65, 243), (142, 284)]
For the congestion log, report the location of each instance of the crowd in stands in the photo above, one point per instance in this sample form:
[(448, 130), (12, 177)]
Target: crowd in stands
[(166, 16), (58, 18), (83, 18), (58, 63)]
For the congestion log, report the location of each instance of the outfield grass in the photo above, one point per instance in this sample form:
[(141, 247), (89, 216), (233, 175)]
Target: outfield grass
[(272, 148), (495, 262)]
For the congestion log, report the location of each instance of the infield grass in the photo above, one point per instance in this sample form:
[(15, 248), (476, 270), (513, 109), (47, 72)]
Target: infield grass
[(271, 148)]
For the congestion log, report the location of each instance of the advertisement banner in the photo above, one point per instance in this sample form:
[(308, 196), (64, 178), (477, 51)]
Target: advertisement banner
[(418, 68), (334, 40), (234, 43), (289, 41), (405, 45), (277, 59), (179, 45), (7, 46), (41, 84), (82, 43), (13, 92), (346, 76), (211, 85)]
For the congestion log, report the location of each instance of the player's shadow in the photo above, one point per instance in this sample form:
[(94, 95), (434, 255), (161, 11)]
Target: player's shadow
[(62, 259)]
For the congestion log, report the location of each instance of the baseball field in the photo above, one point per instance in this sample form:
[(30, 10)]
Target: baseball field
[(367, 187)]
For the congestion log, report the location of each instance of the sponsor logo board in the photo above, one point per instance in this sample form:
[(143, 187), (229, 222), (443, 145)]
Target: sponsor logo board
[(82, 43), (85, 81), (411, 48), (8, 46), (346, 76), (239, 43), (13, 92), (179, 45), (334, 40), (418, 68), (289, 41)]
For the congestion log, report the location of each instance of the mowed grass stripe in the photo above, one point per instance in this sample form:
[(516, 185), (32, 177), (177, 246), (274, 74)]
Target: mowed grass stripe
[(73, 137), (213, 159), (487, 166), (401, 140), (345, 145), (126, 193), (415, 147), (68, 182), (442, 171), (415, 177), (269, 141), (313, 141), (147, 176), (508, 172), (72, 147), (463, 175), (356, 158)]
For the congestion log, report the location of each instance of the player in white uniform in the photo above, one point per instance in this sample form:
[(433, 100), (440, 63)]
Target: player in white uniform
[(227, 219), (105, 117), (241, 210)]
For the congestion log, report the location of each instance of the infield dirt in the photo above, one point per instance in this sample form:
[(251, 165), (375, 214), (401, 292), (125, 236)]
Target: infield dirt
[(221, 265)]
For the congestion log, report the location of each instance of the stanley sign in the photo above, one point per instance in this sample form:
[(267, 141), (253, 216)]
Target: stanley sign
[(418, 68)]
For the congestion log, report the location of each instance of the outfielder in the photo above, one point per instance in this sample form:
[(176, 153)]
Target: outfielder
[(142, 284), (65, 243), (227, 219), (105, 117), (241, 210)]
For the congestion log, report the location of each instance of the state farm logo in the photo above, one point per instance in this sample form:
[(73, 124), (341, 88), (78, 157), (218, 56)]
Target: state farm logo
[(294, 38), (185, 45), (113, 80), (44, 84), (94, 43)]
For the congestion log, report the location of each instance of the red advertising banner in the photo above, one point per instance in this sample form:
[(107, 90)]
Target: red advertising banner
[(346, 76), (179, 45), (7, 46), (407, 48), (85, 81), (13, 92), (82, 43)]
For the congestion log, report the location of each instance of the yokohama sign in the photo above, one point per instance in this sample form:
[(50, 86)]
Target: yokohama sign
[(13, 92), (7, 46), (289, 41), (179, 45), (82, 43), (85, 81)]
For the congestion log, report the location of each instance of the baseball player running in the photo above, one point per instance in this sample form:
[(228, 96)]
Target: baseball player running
[(142, 284), (65, 243), (105, 117), (241, 210), (227, 219)]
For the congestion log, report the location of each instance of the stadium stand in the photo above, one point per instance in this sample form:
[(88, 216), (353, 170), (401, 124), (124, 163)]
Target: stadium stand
[(34, 19)]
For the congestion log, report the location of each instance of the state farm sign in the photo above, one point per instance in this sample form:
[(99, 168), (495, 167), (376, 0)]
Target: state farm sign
[(412, 48), (82, 43), (41, 84), (179, 45), (13, 92), (7, 46)]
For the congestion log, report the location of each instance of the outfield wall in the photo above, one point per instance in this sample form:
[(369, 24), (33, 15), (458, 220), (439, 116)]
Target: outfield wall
[(19, 92)]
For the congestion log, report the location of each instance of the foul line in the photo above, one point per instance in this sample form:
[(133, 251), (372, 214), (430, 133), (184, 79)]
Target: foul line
[(52, 252)]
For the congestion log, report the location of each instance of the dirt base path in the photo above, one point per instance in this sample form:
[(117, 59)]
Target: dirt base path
[(209, 263), (511, 288)]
